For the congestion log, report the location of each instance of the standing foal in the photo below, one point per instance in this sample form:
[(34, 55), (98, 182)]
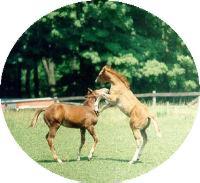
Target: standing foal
[(83, 117), (121, 96)]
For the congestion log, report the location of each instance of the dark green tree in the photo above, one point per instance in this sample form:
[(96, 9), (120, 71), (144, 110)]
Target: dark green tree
[(62, 53)]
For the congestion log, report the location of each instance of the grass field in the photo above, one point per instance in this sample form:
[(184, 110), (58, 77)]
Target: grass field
[(116, 143)]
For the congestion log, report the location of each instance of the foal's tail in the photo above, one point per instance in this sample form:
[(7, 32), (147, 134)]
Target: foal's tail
[(155, 124), (35, 118)]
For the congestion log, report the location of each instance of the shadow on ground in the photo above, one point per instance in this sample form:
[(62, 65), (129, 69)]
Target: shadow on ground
[(86, 159)]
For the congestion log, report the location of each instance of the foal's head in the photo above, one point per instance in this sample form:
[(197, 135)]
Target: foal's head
[(107, 74), (103, 76), (91, 97), (94, 95)]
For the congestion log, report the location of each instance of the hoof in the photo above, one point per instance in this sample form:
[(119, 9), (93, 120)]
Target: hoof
[(130, 162), (89, 158), (59, 161), (159, 135), (133, 162), (78, 159)]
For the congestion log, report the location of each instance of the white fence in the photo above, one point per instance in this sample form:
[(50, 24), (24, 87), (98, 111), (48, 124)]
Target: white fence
[(44, 102)]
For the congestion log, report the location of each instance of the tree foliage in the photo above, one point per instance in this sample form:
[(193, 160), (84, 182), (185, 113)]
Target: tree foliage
[(62, 53)]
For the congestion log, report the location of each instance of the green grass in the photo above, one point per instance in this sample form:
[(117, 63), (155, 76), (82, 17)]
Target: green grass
[(116, 143)]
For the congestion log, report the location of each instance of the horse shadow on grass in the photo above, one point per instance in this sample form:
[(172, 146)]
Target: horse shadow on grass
[(47, 161), (117, 159), (54, 161), (86, 159)]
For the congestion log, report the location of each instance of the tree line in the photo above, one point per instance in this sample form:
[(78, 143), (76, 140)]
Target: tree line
[(62, 53)]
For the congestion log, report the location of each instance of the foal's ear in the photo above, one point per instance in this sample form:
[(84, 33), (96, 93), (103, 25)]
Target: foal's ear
[(107, 67), (90, 90)]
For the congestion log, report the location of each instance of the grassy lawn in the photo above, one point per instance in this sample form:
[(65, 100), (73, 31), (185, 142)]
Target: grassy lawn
[(116, 143)]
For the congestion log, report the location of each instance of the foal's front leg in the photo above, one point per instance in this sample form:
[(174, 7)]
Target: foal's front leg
[(110, 101), (82, 130), (93, 134), (111, 98)]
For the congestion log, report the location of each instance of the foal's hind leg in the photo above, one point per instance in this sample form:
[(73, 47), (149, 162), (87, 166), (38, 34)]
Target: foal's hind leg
[(144, 135), (50, 137), (82, 130), (93, 134), (139, 144)]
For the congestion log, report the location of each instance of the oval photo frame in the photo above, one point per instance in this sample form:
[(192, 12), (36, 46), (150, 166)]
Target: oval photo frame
[(77, 135)]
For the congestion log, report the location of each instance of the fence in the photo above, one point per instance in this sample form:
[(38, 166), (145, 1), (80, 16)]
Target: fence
[(155, 95), (44, 102)]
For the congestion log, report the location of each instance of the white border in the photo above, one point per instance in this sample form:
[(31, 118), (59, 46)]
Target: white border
[(17, 16)]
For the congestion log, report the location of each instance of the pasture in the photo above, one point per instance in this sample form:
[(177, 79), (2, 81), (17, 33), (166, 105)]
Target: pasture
[(115, 148)]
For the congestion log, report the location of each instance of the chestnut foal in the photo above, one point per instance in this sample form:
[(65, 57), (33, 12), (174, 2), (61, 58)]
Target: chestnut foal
[(83, 117)]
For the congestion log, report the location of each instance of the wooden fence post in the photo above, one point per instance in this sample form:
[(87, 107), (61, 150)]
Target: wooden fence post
[(167, 107), (154, 99), (56, 100)]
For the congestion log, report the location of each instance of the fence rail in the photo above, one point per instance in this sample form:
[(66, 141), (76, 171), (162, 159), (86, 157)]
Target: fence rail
[(44, 102), (179, 94), (80, 98)]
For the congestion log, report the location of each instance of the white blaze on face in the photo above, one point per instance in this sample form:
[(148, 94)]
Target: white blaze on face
[(101, 92), (96, 104)]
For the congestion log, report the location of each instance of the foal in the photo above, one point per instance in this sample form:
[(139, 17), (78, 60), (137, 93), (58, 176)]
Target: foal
[(121, 96), (83, 117)]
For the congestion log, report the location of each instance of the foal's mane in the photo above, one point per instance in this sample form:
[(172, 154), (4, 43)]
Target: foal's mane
[(88, 98), (119, 76)]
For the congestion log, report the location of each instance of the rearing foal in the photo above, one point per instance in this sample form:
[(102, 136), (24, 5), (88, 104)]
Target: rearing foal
[(72, 116), (121, 96)]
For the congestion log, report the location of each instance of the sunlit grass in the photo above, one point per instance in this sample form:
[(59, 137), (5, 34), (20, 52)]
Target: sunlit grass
[(116, 143)]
